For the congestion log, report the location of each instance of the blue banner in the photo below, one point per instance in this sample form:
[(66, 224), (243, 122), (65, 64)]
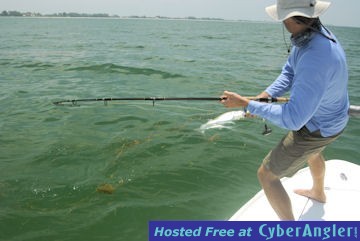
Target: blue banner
[(226, 230)]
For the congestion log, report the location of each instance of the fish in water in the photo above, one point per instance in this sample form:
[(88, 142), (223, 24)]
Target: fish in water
[(106, 188), (223, 120), (354, 111)]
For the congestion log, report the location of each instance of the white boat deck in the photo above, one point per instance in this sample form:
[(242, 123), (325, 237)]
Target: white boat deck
[(342, 188)]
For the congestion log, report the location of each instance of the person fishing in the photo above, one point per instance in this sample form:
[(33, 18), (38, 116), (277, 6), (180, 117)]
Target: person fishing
[(316, 75)]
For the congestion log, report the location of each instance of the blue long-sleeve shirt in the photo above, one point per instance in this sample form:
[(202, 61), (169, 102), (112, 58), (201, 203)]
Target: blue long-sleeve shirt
[(316, 76)]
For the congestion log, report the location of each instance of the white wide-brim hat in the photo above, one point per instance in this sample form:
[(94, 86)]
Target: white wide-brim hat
[(285, 9)]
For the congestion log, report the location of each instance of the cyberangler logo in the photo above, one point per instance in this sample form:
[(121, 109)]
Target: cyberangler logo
[(307, 231)]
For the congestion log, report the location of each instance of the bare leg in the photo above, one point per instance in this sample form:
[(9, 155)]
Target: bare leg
[(317, 169), (275, 193)]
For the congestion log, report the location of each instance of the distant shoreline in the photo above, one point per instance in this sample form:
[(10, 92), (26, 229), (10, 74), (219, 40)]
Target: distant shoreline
[(98, 15), (16, 14), (144, 18), (72, 15)]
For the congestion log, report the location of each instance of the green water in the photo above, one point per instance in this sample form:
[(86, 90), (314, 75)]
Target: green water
[(52, 159)]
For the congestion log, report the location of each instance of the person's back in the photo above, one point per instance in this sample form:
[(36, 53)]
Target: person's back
[(321, 69)]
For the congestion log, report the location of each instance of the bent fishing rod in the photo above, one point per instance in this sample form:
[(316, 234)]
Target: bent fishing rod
[(75, 102)]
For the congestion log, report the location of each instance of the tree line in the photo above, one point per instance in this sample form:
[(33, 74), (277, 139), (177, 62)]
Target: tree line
[(79, 15), (63, 14)]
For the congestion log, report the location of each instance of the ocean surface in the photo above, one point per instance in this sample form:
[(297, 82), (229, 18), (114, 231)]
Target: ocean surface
[(56, 161)]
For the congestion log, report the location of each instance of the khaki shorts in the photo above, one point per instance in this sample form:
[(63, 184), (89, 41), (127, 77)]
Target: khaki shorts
[(293, 151)]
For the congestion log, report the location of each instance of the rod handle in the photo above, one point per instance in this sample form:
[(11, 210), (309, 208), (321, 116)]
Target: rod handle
[(269, 100)]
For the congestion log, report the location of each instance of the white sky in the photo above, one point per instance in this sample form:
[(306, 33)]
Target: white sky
[(341, 12)]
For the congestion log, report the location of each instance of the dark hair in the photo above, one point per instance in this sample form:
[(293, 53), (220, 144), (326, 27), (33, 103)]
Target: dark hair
[(314, 24), (311, 22)]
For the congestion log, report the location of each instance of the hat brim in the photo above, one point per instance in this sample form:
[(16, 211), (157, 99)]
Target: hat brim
[(282, 14)]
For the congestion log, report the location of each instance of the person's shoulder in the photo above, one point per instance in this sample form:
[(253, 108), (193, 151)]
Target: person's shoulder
[(320, 42)]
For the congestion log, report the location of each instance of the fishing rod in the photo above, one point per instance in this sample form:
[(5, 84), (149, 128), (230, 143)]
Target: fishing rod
[(75, 102), (354, 110)]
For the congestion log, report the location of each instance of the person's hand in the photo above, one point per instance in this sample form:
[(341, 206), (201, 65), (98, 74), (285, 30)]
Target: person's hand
[(233, 100)]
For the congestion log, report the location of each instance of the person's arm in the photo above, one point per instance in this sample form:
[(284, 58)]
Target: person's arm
[(310, 84), (283, 82), (281, 85)]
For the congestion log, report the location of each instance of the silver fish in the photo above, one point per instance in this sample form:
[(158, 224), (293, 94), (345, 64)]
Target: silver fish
[(223, 120)]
